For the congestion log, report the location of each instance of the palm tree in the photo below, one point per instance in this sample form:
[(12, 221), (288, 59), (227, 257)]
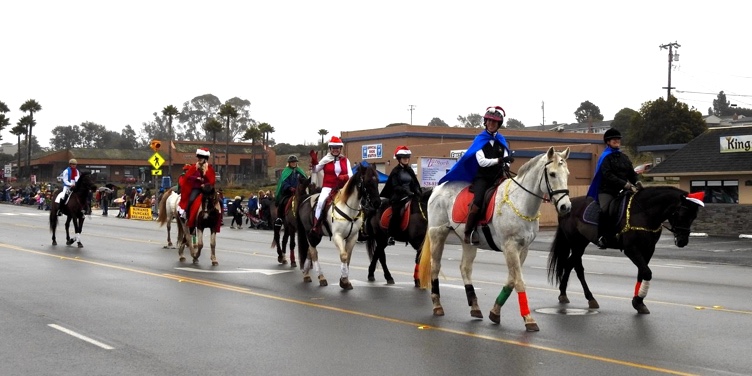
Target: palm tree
[(252, 134), (31, 106), (227, 111), (4, 122), (322, 133), (265, 129), (170, 111), (213, 126), (18, 130)]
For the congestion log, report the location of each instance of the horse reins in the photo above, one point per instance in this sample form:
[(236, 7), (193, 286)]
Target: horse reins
[(551, 192)]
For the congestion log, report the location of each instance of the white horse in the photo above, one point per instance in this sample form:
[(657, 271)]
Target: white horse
[(513, 227), (342, 222), (168, 210)]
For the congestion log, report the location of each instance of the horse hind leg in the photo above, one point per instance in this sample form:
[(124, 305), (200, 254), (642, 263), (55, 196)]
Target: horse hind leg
[(213, 243), (466, 268), (293, 264)]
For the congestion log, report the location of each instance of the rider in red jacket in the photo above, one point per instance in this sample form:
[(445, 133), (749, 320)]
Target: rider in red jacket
[(195, 178)]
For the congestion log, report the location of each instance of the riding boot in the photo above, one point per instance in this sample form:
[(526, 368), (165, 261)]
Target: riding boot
[(471, 236), (394, 224), (603, 230), (316, 228)]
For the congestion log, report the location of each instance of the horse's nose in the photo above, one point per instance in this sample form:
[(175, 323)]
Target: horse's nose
[(564, 208)]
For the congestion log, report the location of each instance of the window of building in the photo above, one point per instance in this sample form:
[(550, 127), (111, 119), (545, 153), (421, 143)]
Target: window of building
[(717, 191)]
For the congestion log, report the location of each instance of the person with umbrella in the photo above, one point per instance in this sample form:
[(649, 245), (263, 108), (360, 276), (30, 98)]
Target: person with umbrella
[(105, 194)]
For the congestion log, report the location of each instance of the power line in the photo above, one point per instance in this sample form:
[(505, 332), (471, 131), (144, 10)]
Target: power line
[(701, 92), (671, 58)]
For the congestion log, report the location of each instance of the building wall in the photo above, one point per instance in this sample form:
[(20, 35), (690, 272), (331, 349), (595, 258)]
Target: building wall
[(724, 220), (745, 184)]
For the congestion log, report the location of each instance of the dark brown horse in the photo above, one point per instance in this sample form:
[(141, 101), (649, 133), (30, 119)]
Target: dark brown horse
[(377, 236), (639, 223), (74, 209), (209, 217), (290, 223)]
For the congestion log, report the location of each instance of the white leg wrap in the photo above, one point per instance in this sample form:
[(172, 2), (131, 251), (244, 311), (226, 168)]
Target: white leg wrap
[(345, 270), (307, 266), (317, 268), (644, 286)]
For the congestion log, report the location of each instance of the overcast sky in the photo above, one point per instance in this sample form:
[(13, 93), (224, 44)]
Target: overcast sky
[(350, 65)]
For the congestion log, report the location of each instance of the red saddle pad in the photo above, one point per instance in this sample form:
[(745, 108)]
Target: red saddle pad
[(462, 205), (387, 216)]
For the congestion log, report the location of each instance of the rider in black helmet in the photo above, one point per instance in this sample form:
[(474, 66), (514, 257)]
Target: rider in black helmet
[(286, 186), (613, 174)]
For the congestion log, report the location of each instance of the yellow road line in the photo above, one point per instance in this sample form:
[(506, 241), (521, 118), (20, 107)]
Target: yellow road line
[(420, 326)]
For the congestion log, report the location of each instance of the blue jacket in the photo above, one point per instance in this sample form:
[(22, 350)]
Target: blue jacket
[(466, 168)]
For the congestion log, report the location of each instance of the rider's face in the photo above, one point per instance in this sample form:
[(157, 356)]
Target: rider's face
[(336, 150), (202, 161), (404, 161), (614, 143), (492, 125)]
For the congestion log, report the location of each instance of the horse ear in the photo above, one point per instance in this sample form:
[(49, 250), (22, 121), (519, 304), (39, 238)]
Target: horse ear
[(564, 154), (550, 153)]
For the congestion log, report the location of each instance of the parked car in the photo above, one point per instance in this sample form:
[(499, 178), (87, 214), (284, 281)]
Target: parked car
[(128, 179), (643, 168)]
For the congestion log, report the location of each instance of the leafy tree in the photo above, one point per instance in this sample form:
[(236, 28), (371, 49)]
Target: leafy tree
[(128, 138), (722, 107), (18, 130), (471, 121), (195, 114), (228, 112), (664, 122), (92, 134), (623, 119), (4, 121), (154, 130), (436, 122), (588, 110), (65, 137), (243, 120), (513, 123), (213, 126), (31, 106)]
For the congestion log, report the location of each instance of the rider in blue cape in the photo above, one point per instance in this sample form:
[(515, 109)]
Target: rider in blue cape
[(613, 173), (482, 164)]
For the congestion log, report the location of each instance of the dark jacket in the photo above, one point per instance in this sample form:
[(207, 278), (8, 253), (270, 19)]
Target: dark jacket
[(401, 182), (617, 170)]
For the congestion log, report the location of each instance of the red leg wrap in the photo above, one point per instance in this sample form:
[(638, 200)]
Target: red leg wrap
[(522, 298), (637, 288)]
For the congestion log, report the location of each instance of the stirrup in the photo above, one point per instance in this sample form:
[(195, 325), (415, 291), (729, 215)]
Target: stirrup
[(602, 242), (390, 241)]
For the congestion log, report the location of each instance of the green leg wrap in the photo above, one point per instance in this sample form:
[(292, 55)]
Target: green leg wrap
[(504, 295)]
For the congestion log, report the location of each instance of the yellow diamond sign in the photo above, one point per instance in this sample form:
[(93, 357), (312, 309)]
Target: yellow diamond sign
[(156, 161)]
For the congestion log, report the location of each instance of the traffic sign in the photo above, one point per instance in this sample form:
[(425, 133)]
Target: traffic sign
[(156, 161), (156, 172)]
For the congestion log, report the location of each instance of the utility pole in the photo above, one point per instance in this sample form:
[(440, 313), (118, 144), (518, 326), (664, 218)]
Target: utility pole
[(671, 55), (411, 109), (543, 110)]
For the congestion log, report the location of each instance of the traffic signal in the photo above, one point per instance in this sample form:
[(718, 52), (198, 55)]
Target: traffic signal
[(155, 145)]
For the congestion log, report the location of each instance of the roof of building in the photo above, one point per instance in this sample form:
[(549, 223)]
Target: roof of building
[(703, 155), (595, 127)]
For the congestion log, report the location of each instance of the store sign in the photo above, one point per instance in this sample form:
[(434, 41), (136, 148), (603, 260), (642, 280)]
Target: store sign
[(457, 153), (373, 151), (736, 144), (431, 170)]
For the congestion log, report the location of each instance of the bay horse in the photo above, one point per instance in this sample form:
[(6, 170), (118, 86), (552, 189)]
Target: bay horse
[(74, 209), (378, 235), (514, 213), (290, 223), (641, 217), (168, 206), (341, 221)]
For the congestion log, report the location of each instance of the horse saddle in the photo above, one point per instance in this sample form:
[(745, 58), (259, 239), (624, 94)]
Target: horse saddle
[(387, 216), (287, 204), (616, 210), (465, 199)]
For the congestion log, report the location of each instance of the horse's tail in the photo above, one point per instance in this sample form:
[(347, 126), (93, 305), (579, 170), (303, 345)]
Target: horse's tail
[(162, 218), (53, 216), (302, 234), (424, 271), (275, 239), (371, 239), (557, 257)]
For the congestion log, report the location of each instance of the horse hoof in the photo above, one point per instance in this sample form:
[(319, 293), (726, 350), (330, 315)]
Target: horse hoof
[(69, 242), (496, 319), (80, 245), (182, 259), (643, 310), (345, 284), (323, 283), (438, 311), (214, 263), (563, 299), (371, 278), (389, 281), (280, 259), (593, 304), (54, 242), (293, 264), (637, 303), (195, 261), (476, 313), (532, 327), (307, 279)]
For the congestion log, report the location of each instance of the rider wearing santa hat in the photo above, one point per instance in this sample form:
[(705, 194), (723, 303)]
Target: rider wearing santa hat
[(337, 170), (401, 186), (196, 177)]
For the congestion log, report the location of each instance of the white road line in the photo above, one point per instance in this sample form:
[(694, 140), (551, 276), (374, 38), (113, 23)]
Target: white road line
[(81, 337)]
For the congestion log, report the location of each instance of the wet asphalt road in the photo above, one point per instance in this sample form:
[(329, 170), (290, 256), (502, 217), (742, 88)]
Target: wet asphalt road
[(123, 305)]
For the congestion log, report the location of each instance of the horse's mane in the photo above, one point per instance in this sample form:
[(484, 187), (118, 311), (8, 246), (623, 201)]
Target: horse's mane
[(529, 165), (349, 187), (84, 183)]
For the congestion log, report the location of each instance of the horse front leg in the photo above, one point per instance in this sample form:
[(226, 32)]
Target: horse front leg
[(68, 240), (515, 257), (78, 226), (644, 276), (382, 260), (213, 243), (199, 244), (345, 249), (169, 241), (466, 270), (293, 264), (313, 256)]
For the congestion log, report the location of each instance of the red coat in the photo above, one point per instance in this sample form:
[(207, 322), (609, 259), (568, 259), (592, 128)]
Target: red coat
[(190, 181), (331, 180)]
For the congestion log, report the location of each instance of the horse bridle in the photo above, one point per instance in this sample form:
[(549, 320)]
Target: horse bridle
[(551, 191), (674, 228)]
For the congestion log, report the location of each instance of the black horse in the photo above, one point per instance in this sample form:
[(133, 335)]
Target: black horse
[(290, 223), (640, 220), (74, 209), (377, 236)]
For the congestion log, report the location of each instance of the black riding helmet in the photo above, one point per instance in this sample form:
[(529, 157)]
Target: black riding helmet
[(611, 134), (292, 158)]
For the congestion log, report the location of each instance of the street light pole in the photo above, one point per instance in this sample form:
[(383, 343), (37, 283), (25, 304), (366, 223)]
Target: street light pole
[(411, 109), (670, 48)]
